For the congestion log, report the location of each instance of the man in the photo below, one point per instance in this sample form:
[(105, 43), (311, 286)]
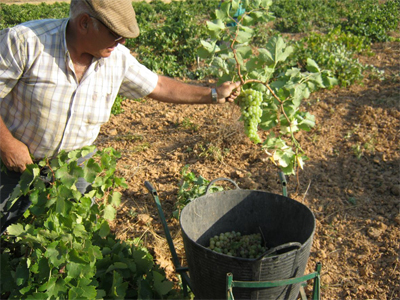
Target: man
[(59, 80)]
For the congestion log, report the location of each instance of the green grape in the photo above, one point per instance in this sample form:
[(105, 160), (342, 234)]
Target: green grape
[(235, 244), (250, 101)]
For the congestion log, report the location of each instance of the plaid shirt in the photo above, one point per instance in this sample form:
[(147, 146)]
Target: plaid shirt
[(42, 103)]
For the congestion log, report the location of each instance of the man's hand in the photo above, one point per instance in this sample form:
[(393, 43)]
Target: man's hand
[(15, 155), (228, 91)]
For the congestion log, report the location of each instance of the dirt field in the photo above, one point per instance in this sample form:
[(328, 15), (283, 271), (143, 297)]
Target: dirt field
[(351, 183)]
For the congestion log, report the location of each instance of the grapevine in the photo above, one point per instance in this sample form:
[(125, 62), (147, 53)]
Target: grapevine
[(272, 87), (249, 102), (235, 244)]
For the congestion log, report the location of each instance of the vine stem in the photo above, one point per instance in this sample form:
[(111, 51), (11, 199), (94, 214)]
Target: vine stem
[(243, 82)]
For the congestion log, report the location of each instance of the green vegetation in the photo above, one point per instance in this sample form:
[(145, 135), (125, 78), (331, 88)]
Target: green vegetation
[(64, 248), (191, 187), (336, 52), (371, 19)]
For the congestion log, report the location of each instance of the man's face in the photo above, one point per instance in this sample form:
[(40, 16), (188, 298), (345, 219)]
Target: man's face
[(104, 39)]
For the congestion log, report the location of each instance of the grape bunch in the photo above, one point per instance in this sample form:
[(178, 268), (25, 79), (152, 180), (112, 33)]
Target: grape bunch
[(249, 102), (235, 244)]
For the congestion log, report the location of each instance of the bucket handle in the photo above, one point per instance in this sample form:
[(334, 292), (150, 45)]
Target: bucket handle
[(280, 247), (220, 179)]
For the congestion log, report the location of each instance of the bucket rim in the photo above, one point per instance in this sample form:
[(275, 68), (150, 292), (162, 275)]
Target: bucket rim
[(244, 190)]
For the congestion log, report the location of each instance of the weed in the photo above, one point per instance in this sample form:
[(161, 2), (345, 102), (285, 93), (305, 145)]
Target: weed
[(189, 125), (210, 151), (358, 151), (140, 148), (130, 137), (191, 187), (116, 108)]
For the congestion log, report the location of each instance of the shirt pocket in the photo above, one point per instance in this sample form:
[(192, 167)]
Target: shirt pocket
[(99, 107)]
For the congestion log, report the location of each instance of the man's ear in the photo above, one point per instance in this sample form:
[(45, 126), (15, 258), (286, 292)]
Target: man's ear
[(83, 22)]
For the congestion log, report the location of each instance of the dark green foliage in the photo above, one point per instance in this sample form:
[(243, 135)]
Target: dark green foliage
[(335, 51), (372, 19), (305, 15), (116, 108), (63, 247), (11, 15), (170, 35)]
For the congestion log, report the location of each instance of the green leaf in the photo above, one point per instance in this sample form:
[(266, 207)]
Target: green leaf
[(104, 229), (276, 47), (87, 150), (80, 231), (312, 66), (115, 199), (306, 121), (90, 170), (22, 273), (79, 258), (221, 14), (143, 261), (243, 37), (56, 253), (117, 266), (223, 11), (216, 26), (94, 253), (109, 213), (75, 270), (245, 51), (28, 176), (248, 20), (119, 287), (56, 288), (266, 3), (15, 229), (235, 5), (44, 269), (161, 285), (69, 174)]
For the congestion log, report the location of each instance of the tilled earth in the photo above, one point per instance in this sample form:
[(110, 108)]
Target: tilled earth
[(351, 181)]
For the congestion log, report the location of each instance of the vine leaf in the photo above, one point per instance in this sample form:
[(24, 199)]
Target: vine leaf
[(276, 50), (161, 286)]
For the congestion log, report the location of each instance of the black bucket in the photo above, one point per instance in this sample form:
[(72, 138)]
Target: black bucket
[(287, 226)]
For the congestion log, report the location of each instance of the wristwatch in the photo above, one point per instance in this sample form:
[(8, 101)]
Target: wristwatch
[(214, 95)]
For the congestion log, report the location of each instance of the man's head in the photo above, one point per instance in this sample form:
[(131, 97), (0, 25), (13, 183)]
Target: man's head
[(98, 26), (117, 15)]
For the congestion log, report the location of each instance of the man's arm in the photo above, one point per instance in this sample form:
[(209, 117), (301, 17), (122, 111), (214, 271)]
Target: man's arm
[(14, 154), (172, 91)]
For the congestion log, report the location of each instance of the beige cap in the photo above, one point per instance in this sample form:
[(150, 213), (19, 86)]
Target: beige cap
[(118, 15)]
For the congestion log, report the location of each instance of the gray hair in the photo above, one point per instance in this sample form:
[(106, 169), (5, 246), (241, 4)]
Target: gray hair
[(77, 8)]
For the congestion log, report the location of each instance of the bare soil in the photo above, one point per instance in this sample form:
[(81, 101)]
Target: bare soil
[(351, 181)]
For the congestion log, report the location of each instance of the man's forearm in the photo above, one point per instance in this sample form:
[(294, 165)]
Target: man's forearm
[(172, 91), (5, 135)]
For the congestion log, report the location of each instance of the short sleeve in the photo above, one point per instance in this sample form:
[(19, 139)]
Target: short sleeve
[(11, 60), (139, 81)]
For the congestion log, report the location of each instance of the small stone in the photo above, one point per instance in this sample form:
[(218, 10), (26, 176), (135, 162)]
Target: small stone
[(395, 190), (374, 233), (397, 219), (113, 132), (144, 219)]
